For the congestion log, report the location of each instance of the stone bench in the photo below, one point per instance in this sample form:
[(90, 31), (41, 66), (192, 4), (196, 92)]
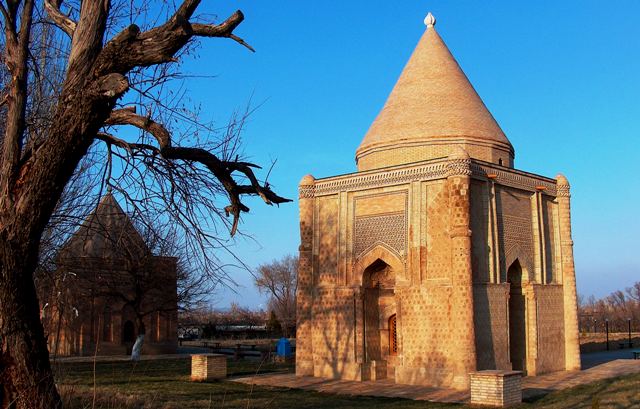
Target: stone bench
[(496, 388), (208, 367)]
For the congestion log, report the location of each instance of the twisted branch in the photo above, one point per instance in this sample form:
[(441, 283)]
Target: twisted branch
[(59, 18), (221, 169)]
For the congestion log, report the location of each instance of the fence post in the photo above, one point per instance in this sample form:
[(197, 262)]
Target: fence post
[(629, 326), (606, 326)]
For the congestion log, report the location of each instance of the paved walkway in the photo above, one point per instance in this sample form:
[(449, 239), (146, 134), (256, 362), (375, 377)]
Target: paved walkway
[(384, 388), (535, 385), (532, 386), (118, 358)]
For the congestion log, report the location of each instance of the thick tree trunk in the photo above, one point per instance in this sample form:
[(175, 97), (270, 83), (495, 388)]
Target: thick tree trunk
[(26, 377)]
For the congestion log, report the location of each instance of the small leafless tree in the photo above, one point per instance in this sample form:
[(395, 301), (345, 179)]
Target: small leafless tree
[(116, 63), (278, 279)]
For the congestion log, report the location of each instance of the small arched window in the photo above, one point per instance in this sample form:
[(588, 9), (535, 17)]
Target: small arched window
[(393, 336), (500, 161)]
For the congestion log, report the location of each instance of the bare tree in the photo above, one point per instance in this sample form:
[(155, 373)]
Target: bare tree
[(619, 308), (278, 279), (634, 292), (115, 75)]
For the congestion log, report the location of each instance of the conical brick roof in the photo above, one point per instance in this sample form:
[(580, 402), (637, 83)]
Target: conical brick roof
[(432, 107), (106, 233)]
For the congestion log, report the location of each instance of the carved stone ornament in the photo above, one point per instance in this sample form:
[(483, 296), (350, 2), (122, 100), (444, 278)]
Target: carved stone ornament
[(563, 191), (459, 167), (307, 192)]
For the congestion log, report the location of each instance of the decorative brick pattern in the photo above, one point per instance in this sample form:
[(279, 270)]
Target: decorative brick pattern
[(328, 240), (358, 181), (551, 240), (438, 240), (515, 178), (515, 230), (389, 229), (428, 170), (208, 367), (480, 240), (496, 388), (491, 325), (518, 237), (550, 328), (381, 158)]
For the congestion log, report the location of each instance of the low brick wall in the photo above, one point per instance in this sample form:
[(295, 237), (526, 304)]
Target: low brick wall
[(496, 388), (208, 367)]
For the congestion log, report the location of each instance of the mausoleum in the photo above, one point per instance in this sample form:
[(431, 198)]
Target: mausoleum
[(437, 257), (109, 289)]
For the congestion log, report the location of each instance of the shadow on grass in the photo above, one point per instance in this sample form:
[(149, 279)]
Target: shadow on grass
[(607, 393), (165, 384)]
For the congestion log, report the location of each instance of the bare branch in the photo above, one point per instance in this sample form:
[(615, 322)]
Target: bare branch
[(65, 23), (160, 44), (222, 170), (128, 146), (222, 30), (16, 56)]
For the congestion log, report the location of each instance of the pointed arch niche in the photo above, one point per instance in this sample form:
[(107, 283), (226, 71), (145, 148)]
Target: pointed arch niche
[(376, 274), (517, 254), (379, 253), (517, 317)]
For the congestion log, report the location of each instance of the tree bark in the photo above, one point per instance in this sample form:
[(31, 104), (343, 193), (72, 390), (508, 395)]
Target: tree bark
[(25, 370), (25, 373)]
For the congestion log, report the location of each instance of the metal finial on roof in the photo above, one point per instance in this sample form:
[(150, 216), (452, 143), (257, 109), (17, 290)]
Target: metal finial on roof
[(430, 20)]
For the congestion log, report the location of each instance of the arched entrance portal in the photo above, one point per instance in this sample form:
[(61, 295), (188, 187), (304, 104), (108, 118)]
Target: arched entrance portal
[(378, 283), (517, 318)]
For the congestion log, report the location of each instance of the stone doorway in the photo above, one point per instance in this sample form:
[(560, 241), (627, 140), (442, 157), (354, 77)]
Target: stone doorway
[(517, 319), (379, 305)]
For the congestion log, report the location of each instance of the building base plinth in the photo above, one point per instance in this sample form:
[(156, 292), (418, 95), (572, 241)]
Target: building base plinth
[(496, 388), (208, 367)]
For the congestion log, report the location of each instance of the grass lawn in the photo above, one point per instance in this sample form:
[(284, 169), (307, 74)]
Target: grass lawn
[(165, 384)]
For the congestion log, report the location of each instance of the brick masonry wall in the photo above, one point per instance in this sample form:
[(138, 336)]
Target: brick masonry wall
[(208, 367), (551, 235), (427, 340), (438, 240), (550, 321), (490, 303), (479, 234), (408, 154), (496, 388), (327, 249), (304, 295), (514, 229), (333, 333)]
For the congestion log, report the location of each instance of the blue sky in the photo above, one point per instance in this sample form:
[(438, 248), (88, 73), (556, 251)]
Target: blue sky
[(561, 78)]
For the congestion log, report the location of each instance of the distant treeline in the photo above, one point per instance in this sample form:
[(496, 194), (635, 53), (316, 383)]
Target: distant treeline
[(234, 323), (620, 309)]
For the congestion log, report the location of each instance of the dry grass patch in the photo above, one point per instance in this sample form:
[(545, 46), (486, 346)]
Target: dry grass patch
[(165, 384)]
